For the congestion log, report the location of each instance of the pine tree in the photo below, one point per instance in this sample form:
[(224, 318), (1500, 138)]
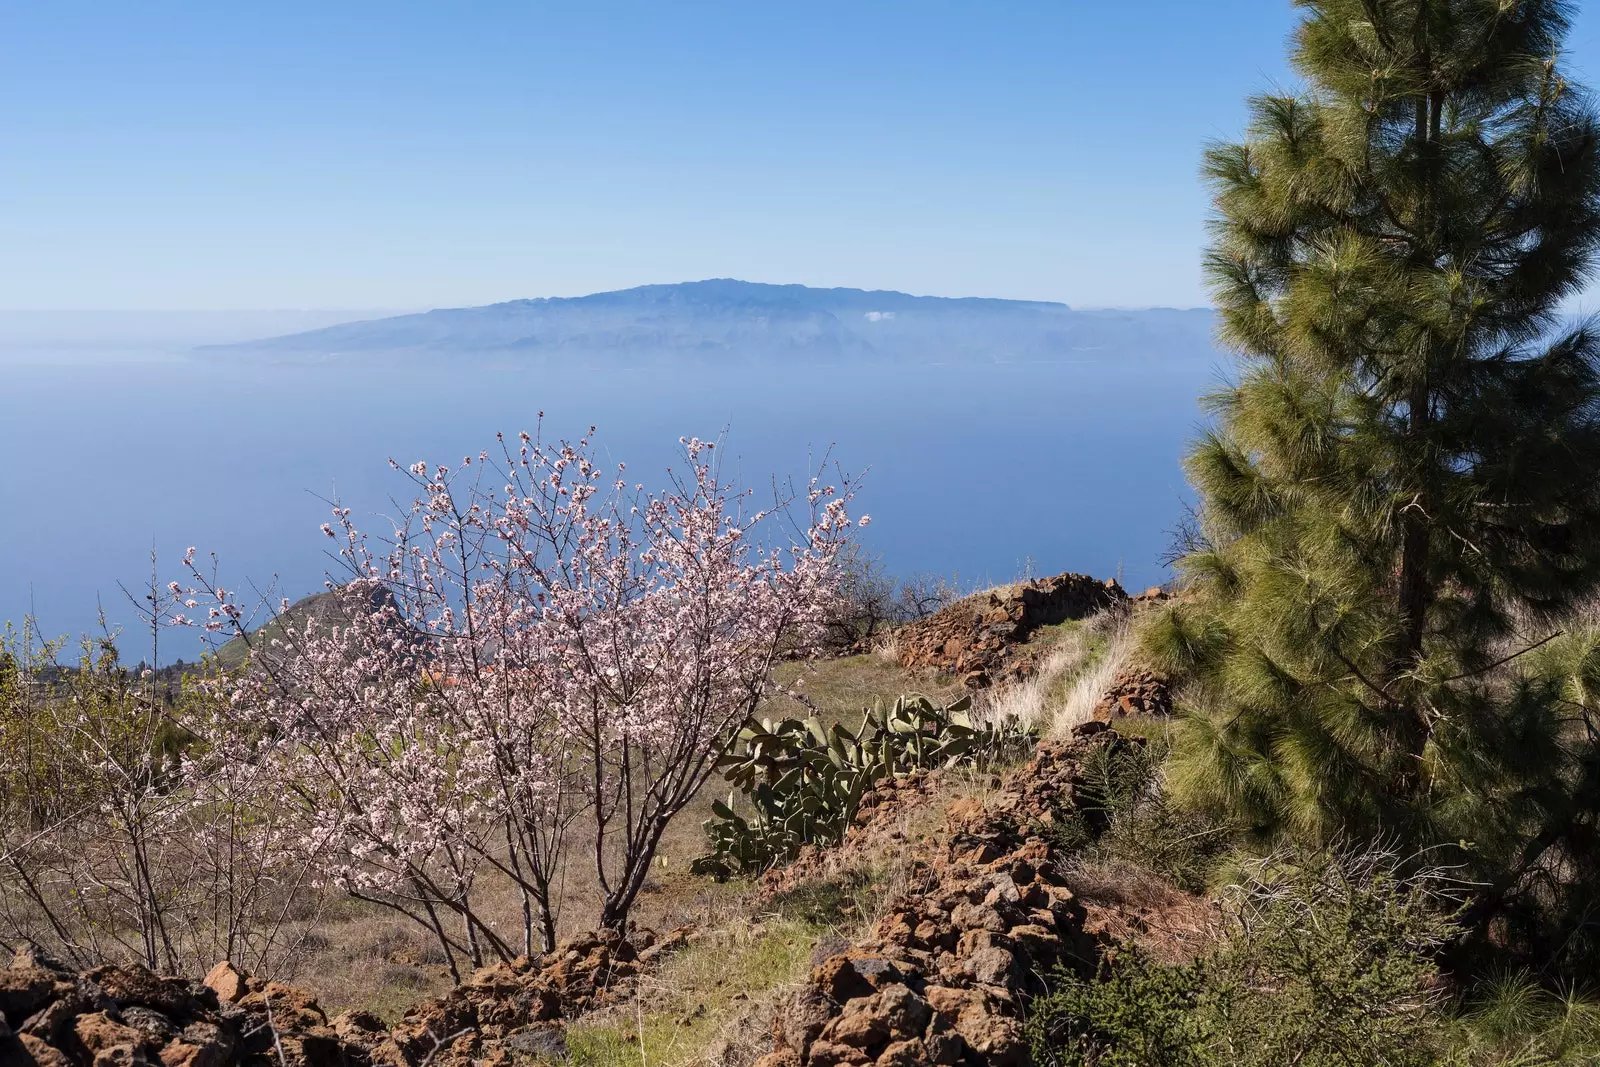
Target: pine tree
[(1399, 496)]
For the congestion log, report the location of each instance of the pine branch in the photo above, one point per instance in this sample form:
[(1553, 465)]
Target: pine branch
[(1502, 662), (1383, 693)]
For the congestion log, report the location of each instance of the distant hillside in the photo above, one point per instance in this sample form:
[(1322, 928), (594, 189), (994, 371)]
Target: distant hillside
[(326, 608), (747, 320)]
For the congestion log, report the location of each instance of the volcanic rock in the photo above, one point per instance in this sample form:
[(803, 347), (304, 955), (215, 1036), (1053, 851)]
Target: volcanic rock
[(976, 638), (1135, 691)]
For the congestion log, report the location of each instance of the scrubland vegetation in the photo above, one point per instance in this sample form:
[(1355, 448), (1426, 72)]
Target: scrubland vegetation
[(1367, 836)]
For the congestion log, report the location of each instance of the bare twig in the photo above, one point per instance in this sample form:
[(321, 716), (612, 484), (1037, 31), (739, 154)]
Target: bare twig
[(277, 1043), (439, 1044)]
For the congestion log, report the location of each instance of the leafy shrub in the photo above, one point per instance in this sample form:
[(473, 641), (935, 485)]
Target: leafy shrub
[(1135, 1014), (1122, 812), (1325, 960), (1329, 960), (804, 781)]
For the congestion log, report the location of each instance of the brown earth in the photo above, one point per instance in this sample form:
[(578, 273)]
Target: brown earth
[(976, 638)]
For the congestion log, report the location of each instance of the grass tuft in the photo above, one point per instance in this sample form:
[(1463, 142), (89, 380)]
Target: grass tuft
[(681, 1010)]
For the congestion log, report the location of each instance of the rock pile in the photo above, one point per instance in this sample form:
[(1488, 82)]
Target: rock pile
[(942, 977), (1135, 691), (512, 1012), (51, 1016), (974, 638), (892, 796)]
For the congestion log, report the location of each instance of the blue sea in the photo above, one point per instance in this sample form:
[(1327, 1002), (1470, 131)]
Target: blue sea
[(977, 472)]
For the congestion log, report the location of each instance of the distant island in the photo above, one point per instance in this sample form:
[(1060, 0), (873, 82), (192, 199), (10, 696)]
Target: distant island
[(730, 319)]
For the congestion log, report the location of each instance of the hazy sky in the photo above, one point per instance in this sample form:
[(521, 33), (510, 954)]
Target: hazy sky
[(359, 154)]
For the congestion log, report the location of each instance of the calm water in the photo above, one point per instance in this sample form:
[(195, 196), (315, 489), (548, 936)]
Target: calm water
[(975, 471)]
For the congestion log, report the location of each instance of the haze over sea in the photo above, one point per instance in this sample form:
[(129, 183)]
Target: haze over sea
[(121, 439)]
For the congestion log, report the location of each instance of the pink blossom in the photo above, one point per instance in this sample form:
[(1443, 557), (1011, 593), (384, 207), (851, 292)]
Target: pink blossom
[(546, 647)]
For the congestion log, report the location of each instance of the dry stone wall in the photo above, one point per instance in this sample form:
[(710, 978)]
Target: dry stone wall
[(51, 1016), (504, 1014), (943, 977), (975, 639), (1135, 691)]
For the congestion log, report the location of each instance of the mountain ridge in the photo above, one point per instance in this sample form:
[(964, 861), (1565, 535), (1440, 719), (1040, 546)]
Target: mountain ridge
[(725, 316)]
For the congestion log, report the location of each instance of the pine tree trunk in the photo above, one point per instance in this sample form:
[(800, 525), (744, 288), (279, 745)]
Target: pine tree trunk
[(1415, 593)]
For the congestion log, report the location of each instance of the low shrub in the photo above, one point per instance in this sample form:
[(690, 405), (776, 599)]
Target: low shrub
[(1511, 1021), (1137, 1013), (1121, 813), (1325, 960)]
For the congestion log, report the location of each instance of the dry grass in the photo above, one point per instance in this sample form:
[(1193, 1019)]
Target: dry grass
[(678, 1013), (1034, 701), (360, 956), (1116, 645), (840, 688), (1127, 903), (1079, 662), (370, 960)]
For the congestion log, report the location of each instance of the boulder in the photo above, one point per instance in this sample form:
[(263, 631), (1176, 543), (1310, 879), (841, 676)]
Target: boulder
[(24, 991), (801, 1017), (101, 1034), (36, 1052), (850, 975), (225, 982), (912, 1053), (780, 1057), (544, 1044), (828, 1054)]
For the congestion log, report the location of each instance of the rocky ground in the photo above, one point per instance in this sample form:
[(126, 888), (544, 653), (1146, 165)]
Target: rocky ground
[(120, 1017), (990, 910), (1136, 690), (115, 1016), (943, 976), (980, 639)]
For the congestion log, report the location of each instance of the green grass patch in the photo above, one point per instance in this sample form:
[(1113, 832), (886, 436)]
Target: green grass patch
[(840, 688), (681, 1009)]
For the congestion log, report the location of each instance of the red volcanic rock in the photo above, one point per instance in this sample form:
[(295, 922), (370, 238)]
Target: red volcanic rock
[(976, 638)]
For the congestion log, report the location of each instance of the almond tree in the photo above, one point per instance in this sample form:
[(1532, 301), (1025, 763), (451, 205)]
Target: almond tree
[(539, 642)]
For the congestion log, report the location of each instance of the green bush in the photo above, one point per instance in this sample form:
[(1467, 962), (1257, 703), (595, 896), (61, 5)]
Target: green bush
[(1121, 812), (1329, 960), (1137, 1013), (1512, 1022), (1323, 961)]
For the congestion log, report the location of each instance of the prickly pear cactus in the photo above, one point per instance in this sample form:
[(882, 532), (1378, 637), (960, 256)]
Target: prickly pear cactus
[(802, 782)]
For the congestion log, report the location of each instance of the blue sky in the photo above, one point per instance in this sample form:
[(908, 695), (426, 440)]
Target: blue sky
[(399, 155)]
